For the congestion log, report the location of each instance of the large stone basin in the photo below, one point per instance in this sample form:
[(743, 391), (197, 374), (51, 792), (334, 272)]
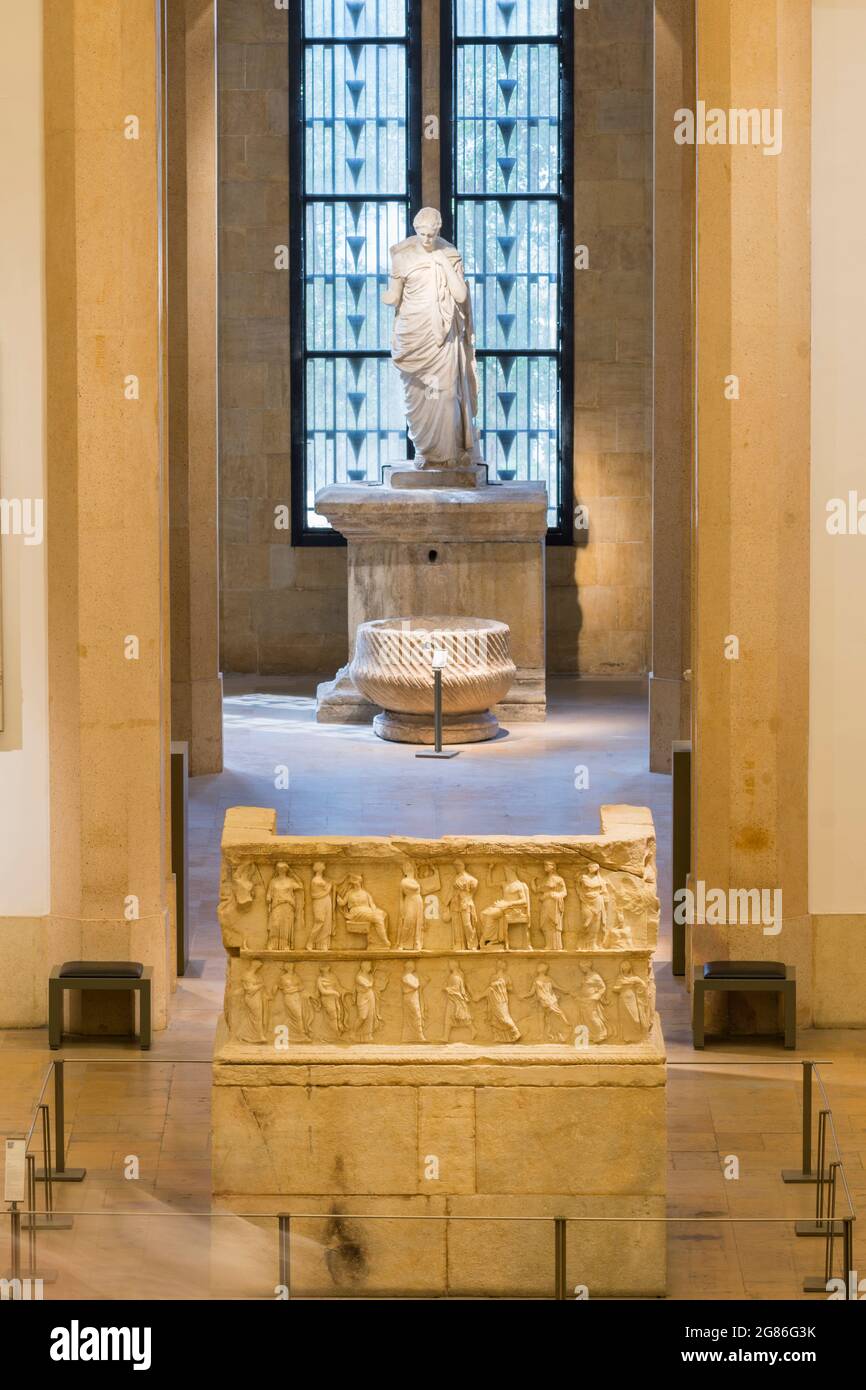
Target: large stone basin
[(392, 666)]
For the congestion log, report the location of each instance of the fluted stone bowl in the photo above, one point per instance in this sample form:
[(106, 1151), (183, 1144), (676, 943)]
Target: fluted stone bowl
[(392, 667)]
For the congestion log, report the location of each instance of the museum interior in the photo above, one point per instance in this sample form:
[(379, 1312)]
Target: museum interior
[(432, 753)]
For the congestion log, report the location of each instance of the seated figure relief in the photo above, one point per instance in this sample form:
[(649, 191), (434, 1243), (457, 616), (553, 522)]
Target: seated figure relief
[(531, 944)]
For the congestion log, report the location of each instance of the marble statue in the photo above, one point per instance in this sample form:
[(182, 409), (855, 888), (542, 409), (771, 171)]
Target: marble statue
[(499, 1007), (254, 1010), (285, 899), (460, 909), (457, 1011), (367, 1001), (413, 1009), (330, 1000), (296, 1003), (544, 991), (553, 893), (361, 913), (433, 345), (511, 910), (592, 891), (632, 1001), (410, 931), (590, 1001), (322, 898)]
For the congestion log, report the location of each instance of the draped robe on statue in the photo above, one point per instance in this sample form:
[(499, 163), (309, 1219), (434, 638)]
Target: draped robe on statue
[(434, 351)]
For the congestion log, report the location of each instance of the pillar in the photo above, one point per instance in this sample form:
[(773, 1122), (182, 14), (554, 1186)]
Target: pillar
[(107, 530), (751, 619), (192, 379), (673, 349)]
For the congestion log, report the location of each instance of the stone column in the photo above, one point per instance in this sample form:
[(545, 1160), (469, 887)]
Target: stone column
[(106, 489), (751, 707), (192, 379), (431, 35), (673, 321)]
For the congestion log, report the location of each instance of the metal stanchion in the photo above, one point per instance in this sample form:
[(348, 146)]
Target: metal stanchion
[(60, 1172), (49, 1220), (818, 1225), (15, 1240), (33, 1223), (439, 661), (31, 1207), (806, 1174), (851, 1290), (559, 1237), (819, 1283), (285, 1252)]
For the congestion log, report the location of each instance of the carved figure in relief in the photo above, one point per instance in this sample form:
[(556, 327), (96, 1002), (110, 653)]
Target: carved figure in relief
[(322, 897), (592, 891), (367, 1001), (285, 899), (331, 1000), (361, 913), (553, 894), (617, 933), (457, 1011), (460, 909), (631, 992), (254, 1005), (651, 888), (633, 906), (230, 909), (511, 910), (244, 883), (543, 991), (499, 1006), (410, 931), (413, 1009), (296, 1002), (650, 994), (590, 1001)]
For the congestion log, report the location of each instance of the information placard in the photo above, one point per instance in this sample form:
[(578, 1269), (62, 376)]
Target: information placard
[(14, 1185)]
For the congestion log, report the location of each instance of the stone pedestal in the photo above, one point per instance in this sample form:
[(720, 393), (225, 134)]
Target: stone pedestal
[(489, 1089), (412, 1132), (422, 551)]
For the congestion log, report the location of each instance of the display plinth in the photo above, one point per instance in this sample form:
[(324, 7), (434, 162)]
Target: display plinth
[(455, 1028), (462, 551)]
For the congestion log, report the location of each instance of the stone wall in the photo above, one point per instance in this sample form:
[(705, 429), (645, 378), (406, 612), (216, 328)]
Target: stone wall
[(598, 592), (284, 607)]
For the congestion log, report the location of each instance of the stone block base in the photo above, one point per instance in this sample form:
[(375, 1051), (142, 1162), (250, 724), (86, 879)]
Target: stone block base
[(347, 1135)]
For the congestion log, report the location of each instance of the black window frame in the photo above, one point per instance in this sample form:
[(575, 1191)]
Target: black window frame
[(303, 534), (563, 532)]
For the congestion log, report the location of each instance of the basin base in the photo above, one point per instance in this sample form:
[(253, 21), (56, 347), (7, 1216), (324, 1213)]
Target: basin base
[(418, 728)]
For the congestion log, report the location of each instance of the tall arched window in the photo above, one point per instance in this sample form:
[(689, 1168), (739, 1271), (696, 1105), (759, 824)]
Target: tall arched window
[(507, 183), (354, 189), (506, 141)]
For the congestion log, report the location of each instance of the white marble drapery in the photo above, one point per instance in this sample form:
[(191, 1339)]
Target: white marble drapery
[(433, 349)]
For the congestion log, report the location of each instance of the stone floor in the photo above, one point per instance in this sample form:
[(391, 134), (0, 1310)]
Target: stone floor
[(732, 1238)]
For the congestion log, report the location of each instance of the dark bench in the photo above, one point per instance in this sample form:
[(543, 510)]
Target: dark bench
[(98, 974), (734, 975)]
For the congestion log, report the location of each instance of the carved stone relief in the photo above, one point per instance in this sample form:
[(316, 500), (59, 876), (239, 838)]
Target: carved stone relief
[(561, 998), (517, 942)]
